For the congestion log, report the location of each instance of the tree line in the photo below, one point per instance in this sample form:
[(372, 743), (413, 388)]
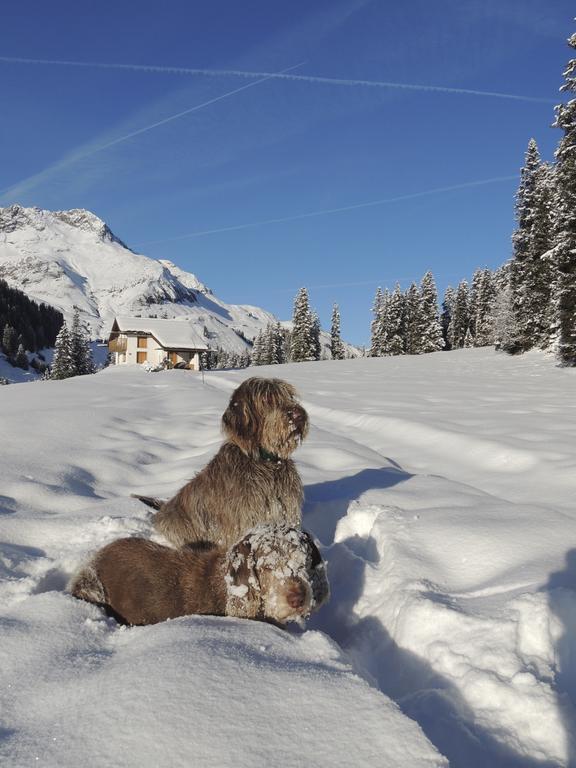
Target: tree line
[(542, 272), (25, 326), (529, 302)]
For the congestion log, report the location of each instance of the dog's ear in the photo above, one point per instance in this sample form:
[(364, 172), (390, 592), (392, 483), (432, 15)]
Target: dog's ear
[(315, 556), (240, 423), (318, 577), (242, 586)]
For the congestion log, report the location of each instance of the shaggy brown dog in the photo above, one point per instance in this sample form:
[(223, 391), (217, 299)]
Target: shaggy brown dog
[(274, 573), (252, 478)]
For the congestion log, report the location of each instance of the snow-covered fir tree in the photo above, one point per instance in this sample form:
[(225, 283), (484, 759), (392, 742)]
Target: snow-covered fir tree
[(63, 364), (460, 319), (302, 341), (565, 223), (315, 345), (473, 305), (378, 330), (484, 299), (80, 347), (278, 348), (258, 349), (412, 321), (336, 346), (384, 325), (224, 360), (504, 319), (269, 346), (431, 330), (395, 335), (446, 316), (530, 274), (72, 351)]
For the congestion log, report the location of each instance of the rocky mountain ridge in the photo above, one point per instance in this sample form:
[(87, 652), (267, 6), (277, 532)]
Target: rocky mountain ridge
[(72, 258)]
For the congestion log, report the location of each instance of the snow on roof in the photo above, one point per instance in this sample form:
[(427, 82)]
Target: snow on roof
[(172, 334)]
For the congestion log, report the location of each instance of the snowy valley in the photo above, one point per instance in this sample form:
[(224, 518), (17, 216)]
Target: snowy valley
[(442, 489)]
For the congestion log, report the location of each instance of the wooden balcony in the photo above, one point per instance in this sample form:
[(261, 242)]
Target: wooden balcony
[(117, 345)]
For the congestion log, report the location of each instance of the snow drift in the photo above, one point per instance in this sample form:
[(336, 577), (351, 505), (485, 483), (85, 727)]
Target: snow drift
[(442, 489)]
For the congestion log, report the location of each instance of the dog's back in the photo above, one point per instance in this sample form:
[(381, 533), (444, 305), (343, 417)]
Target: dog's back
[(140, 582), (252, 479)]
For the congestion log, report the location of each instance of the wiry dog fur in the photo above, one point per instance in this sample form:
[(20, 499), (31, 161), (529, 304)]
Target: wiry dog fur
[(274, 573), (252, 478)]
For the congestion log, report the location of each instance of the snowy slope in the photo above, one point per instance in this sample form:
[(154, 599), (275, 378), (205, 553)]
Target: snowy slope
[(442, 487), (71, 258)]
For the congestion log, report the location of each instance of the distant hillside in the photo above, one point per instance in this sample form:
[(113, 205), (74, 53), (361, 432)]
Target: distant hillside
[(34, 325)]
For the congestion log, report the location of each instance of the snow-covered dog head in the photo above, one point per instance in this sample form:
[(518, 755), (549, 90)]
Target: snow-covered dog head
[(275, 572), (265, 415)]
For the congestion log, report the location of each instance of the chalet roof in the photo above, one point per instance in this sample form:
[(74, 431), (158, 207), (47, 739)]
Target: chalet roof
[(172, 334)]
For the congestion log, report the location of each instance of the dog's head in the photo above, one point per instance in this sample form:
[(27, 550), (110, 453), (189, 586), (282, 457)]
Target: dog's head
[(275, 572), (265, 415)]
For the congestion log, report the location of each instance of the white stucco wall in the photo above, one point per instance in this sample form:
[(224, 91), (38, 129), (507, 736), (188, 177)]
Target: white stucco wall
[(155, 354)]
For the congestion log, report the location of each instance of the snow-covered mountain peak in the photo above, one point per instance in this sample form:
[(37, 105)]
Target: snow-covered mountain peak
[(16, 217), (186, 278), (72, 259), (88, 222)]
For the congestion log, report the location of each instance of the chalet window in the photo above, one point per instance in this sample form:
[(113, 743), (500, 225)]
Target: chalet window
[(140, 357), (142, 342)]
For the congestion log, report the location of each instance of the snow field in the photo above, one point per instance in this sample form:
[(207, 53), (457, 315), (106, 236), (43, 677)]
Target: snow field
[(442, 489)]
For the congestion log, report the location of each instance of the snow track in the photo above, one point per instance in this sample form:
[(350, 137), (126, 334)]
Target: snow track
[(441, 488)]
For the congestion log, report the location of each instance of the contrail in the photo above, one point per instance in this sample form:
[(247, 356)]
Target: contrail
[(329, 211), (284, 75), (75, 157), (344, 285)]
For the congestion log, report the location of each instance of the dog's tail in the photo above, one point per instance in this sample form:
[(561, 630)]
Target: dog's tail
[(150, 501)]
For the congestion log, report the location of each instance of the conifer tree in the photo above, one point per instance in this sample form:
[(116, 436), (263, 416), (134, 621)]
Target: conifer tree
[(258, 349), (504, 319), (21, 359), (484, 309), (446, 316), (63, 364), (460, 320), (377, 327), (315, 346), (278, 352), (473, 307), (336, 346), (302, 346), (565, 224), (395, 336), (412, 321), (10, 340), (530, 270), (431, 330), (80, 347)]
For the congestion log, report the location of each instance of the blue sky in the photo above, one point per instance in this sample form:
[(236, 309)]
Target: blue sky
[(178, 162)]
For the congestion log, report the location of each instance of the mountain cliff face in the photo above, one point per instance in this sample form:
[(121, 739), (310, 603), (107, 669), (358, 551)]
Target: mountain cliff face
[(71, 258)]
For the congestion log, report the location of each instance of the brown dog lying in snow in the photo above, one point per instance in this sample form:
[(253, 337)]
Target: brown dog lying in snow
[(275, 573), (251, 480)]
